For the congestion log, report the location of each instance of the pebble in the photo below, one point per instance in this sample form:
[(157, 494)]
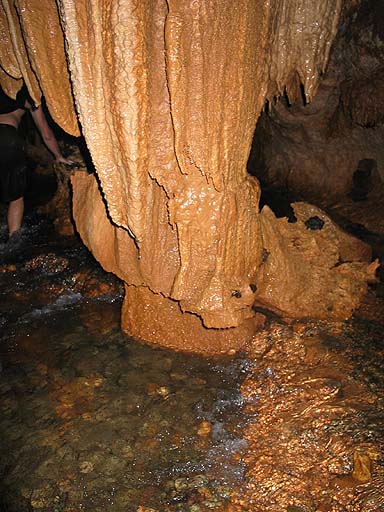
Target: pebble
[(86, 467), (204, 429)]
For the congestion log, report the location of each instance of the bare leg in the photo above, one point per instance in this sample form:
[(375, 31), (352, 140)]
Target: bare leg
[(15, 215)]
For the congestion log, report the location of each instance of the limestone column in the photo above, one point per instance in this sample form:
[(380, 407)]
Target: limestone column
[(168, 108)]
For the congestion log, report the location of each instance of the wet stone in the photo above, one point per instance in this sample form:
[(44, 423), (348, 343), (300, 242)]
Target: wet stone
[(92, 421), (314, 223), (110, 414)]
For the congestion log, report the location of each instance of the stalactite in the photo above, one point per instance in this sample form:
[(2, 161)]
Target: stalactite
[(9, 67), (44, 42), (21, 53), (302, 37)]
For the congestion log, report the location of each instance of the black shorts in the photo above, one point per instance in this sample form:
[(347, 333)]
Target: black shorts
[(13, 164)]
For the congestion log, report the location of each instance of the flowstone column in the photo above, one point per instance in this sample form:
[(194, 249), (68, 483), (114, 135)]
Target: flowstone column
[(169, 117), (168, 95)]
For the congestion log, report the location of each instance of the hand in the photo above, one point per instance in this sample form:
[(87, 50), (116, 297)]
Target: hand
[(62, 160)]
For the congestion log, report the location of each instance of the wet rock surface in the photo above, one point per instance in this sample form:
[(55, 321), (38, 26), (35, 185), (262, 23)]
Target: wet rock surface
[(91, 420), (317, 401)]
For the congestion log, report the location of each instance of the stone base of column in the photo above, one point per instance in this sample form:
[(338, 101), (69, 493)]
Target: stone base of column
[(152, 318)]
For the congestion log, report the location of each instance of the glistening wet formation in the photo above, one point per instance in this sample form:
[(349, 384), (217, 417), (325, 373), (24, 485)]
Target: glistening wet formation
[(152, 84)]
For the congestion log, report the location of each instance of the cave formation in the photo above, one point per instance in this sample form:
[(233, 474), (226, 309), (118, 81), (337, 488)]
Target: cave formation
[(315, 149), (167, 94)]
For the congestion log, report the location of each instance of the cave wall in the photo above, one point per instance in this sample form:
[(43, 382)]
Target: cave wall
[(167, 94), (313, 149)]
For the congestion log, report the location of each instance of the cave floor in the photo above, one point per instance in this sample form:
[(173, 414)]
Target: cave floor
[(91, 420)]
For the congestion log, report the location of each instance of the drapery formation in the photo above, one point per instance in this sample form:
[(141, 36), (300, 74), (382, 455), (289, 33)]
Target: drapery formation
[(167, 93), (32, 48)]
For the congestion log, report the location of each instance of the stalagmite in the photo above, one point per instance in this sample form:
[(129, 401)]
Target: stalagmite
[(168, 94)]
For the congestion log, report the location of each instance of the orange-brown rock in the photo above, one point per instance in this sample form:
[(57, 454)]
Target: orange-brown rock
[(9, 68), (319, 273), (20, 52), (45, 46), (168, 94), (304, 442), (156, 319)]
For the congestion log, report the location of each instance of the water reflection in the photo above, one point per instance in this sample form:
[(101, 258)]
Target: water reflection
[(92, 420)]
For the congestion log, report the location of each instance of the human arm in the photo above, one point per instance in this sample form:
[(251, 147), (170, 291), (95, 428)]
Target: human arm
[(47, 134)]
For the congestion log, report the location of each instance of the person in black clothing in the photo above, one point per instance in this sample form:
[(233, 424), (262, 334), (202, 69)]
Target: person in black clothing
[(13, 165)]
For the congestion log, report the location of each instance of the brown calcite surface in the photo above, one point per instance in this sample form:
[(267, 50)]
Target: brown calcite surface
[(180, 129), (153, 318), (167, 182), (314, 273), (45, 46), (115, 249), (148, 315), (302, 37), (9, 67), (306, 450), (168, 94), (20, 51)]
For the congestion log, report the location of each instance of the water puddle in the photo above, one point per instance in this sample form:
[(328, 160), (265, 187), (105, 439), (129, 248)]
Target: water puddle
[(91, 420)]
